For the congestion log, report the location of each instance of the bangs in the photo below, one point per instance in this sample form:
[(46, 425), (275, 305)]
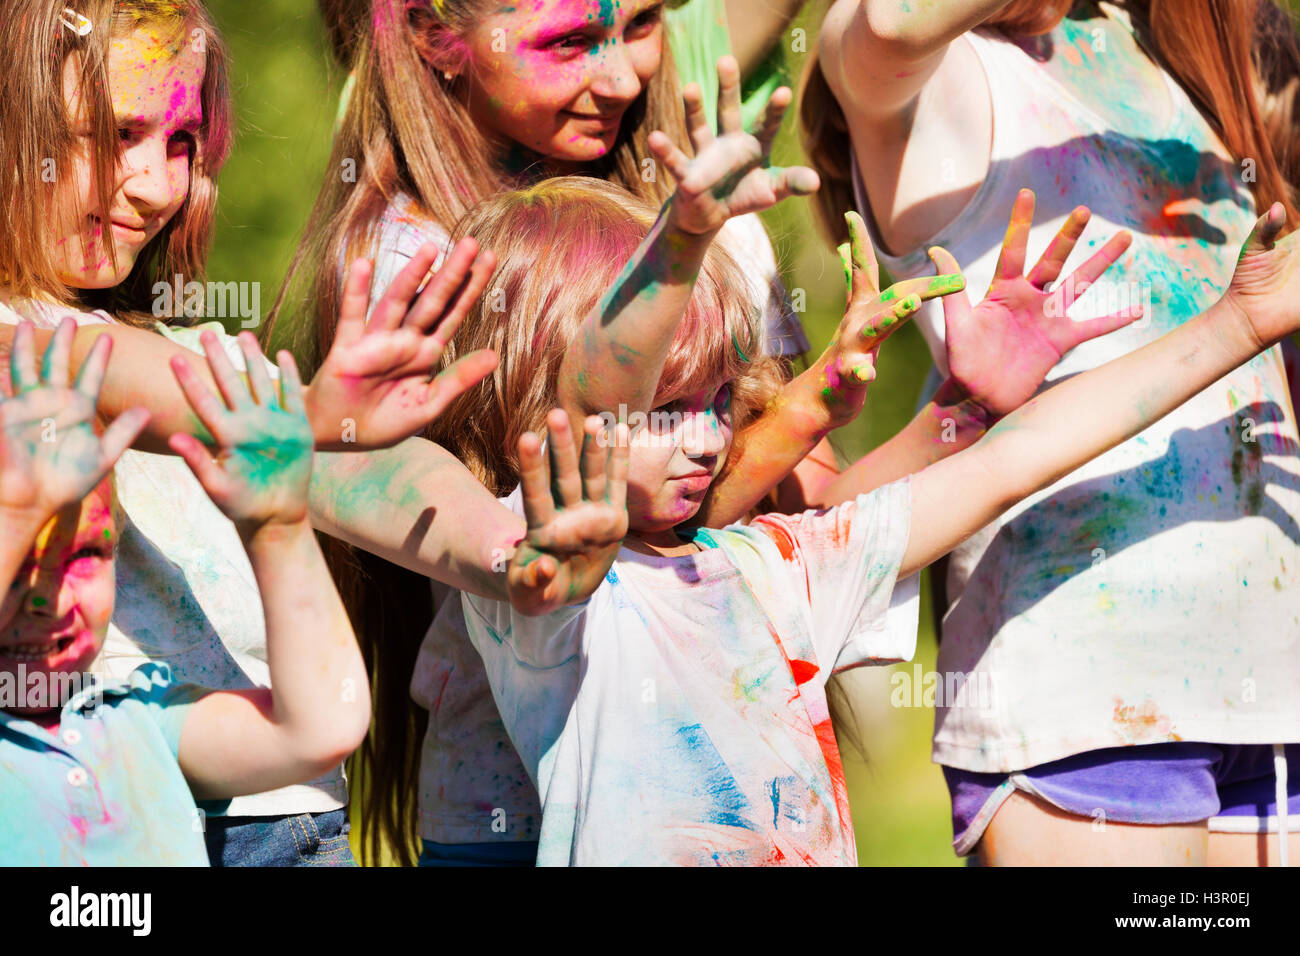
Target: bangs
[(720, 337)]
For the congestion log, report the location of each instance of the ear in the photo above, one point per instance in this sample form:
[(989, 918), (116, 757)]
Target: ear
[(433, 40)]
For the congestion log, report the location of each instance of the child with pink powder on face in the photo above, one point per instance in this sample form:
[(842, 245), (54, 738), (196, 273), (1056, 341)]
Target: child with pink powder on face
[(133, 117), (107, 772)]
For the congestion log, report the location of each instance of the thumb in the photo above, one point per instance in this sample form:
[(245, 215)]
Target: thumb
[(1266, 230)]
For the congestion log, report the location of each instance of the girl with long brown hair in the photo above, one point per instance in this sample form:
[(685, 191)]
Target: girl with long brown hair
[(117, 122), (1137, 620), (453, 102)]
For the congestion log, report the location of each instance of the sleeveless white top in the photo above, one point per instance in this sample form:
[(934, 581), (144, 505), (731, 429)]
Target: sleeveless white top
[(1152, 595)]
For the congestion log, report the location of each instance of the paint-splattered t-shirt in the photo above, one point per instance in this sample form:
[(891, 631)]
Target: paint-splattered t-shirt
[(186, 594), (1151, 595), (104, 787), (679, 716), (473, 788)]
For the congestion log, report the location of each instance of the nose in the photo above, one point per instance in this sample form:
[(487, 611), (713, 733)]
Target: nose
[(147, 183), (42, 592), (615, 79), (701, 435)]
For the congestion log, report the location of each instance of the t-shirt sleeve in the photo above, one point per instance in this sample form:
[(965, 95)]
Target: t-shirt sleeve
[(167, 701), (188, 337), (538, 642), (846, 560)]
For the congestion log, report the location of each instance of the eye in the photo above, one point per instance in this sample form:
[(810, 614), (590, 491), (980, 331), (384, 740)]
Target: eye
[(181, 144), (722, 401), (645, 22), (571, 43)]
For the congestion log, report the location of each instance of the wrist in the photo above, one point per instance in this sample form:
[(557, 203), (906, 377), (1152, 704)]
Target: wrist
[(963, 418), (274, 532)]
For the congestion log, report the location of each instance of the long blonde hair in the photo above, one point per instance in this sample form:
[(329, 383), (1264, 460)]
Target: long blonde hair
[(405, 130), (561, 245), (39, 136), (1236, 58)]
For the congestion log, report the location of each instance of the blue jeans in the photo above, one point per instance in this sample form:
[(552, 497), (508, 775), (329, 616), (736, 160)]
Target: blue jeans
[(304, 839)]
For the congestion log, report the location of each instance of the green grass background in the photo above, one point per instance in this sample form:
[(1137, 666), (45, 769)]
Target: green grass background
[(286, 95)]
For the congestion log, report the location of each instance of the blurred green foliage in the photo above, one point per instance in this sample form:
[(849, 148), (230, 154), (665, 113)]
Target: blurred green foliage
[(286, 96)]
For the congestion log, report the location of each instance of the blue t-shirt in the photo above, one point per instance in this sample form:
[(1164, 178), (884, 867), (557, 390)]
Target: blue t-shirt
[(107, 790)]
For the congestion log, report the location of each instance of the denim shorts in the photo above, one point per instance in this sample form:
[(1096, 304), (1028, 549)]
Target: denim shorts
[(304, 839), (513, 853), (1231, 785)]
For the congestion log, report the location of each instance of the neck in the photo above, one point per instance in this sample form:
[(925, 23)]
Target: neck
[(660, 544)]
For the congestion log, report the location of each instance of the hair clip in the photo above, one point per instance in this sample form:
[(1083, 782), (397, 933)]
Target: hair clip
[(75, 22)]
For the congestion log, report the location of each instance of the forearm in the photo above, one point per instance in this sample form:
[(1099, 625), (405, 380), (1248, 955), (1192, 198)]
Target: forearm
[(946, 425), (1069, 425), (417, 506), (319, 688), (754, 27), (317, 710), (766, 452), (624, 342)]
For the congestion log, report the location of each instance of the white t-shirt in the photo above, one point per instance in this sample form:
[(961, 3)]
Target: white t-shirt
[(679, 716), (473, 787), (1151, 595), (185, 594)]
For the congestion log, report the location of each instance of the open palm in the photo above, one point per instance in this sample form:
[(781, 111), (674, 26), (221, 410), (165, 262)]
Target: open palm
[(262, 470), (378, 374), (730, 174), (50, 456), (577, 516), (1000, 351)]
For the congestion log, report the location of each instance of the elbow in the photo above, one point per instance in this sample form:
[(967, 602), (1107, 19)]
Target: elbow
[(334, 741), (903, 32)]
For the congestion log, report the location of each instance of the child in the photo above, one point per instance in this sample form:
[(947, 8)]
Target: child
[(1113, 691), (679, 716), (584, 86), (109, 775)]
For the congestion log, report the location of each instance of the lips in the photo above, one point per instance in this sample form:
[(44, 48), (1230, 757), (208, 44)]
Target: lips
[(693, 484)]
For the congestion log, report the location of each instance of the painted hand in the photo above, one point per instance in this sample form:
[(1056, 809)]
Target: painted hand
[(731, 173), (1265, 289), (50, 456), (849, 364), (378, 375), (1000, 351), (262, 469), (576, 519)]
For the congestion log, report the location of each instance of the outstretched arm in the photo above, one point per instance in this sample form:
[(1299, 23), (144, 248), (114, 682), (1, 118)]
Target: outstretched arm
[(372, 390), (317, 709), (623, 344), (50, 456), (1076, 421), (755, 26), (882, 52)]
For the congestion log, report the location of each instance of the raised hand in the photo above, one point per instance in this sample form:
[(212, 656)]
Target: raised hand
[(576, 518), (849, 364), (731, 173), (378, 375), (1000, 351), (262, 469), (50, 456), (1265, 288)]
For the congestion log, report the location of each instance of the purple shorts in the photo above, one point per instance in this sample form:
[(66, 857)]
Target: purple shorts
[(1231, 785)]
